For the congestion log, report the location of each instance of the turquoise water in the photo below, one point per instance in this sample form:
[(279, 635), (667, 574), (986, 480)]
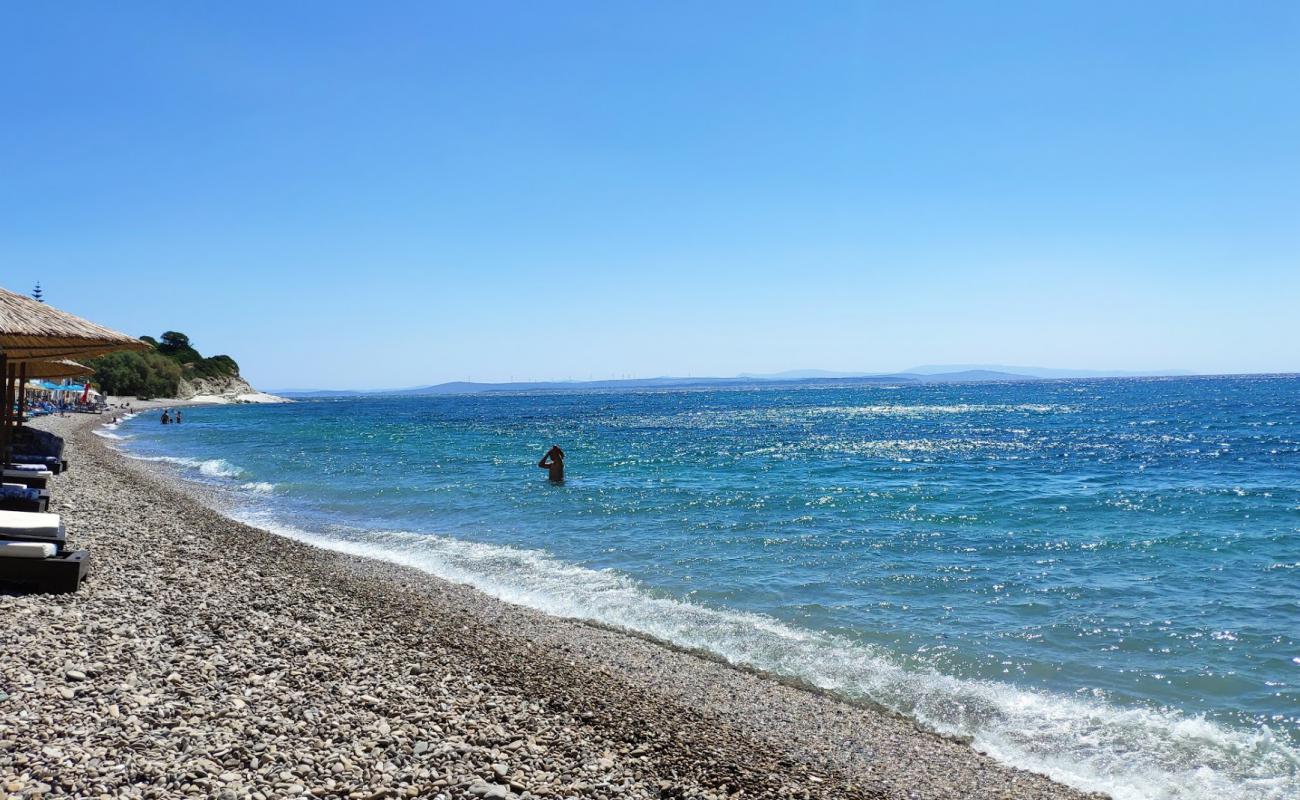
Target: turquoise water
[(1099, 580)]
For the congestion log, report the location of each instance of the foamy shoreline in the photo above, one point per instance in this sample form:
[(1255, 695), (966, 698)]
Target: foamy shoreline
[(196, 623), (197, 400)]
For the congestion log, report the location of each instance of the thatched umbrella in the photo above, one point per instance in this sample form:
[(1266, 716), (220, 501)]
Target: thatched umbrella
[(34, 331), (31, 331), (59, 368)]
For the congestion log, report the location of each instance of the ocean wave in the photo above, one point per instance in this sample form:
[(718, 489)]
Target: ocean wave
[(212, 468), (258, 487), (1128, 752), (106, 433)]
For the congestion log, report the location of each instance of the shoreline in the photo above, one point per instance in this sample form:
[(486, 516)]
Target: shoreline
[(137, 405), (387, 649)]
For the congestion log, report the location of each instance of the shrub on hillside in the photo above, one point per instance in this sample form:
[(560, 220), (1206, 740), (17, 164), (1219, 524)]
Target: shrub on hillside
[(212, 367), (158, 372), (143, 374)]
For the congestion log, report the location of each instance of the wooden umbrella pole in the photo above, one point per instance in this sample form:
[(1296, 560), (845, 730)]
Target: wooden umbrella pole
[(22, 393), (6, 411), (11, 396)]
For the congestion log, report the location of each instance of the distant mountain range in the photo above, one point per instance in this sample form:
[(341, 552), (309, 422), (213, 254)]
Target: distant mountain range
[(957, 373), (1046, 372)]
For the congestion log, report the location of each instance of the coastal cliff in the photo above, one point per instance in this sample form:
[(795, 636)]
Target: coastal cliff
[(225, 389), (231, 385), (174, 369)]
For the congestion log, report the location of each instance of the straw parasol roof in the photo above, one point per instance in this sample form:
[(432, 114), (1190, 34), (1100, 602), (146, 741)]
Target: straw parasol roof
[(30, 330), (62, 368)]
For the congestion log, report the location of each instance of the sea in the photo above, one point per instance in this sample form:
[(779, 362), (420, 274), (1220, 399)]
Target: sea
[(1098, 580)]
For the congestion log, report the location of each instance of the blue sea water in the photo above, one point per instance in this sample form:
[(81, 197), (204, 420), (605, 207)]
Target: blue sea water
[(1099, 580)]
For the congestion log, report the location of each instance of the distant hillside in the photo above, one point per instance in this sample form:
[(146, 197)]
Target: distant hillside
[(801, 374), (173, 368), (1041, 372), (797, 378), (973, 376)]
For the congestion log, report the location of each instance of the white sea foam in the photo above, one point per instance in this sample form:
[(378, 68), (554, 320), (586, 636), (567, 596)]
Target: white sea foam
[(212, 468), (121, 419), (1128, 752), (108, 429), (258, 487)]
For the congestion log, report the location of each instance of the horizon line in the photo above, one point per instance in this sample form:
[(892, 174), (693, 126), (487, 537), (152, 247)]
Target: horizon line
[(777, 378)]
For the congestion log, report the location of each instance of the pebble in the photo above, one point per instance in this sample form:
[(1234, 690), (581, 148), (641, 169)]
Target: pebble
[(489, 790)]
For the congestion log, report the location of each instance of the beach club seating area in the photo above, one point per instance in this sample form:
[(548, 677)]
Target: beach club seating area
[(33, 542), (36, 344)]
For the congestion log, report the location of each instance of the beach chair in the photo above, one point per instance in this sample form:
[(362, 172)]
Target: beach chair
[(41, 567), (28, 526), (34, 554), (35, 476), (17, 497), (54, 464), (32, 446)]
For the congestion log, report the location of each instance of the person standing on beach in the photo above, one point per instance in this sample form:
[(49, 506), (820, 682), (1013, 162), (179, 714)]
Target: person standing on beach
[(553, 461)]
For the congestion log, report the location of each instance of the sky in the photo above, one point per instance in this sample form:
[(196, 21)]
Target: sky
[(361, 195)]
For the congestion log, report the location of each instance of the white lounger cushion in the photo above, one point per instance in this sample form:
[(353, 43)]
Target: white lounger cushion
[(30, 523), (39, 472), (26, 550)]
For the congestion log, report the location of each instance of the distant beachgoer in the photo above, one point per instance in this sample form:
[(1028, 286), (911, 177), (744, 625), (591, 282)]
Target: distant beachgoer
[(553, 461), (178, 416), (166, 417)]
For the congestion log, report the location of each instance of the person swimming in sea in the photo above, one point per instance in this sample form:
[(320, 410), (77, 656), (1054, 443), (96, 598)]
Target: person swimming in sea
[(554, 462), (166, 417)]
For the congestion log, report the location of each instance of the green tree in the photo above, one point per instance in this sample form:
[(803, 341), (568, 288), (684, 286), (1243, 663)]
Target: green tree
[(143, 374), (158, 372), (176, 345)]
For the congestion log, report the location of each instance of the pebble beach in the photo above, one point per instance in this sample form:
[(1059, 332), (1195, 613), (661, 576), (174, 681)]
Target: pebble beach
[(206, 658)]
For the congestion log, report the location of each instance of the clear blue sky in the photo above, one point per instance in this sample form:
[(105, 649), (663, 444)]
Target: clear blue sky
[(390, 194)]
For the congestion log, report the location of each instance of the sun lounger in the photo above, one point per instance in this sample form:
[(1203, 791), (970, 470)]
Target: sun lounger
[(26, 550), (52, 463), (19, 497), (40, 566), (32, 446), (26, 526), (33, 475), (38, 442), (34, 554)]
